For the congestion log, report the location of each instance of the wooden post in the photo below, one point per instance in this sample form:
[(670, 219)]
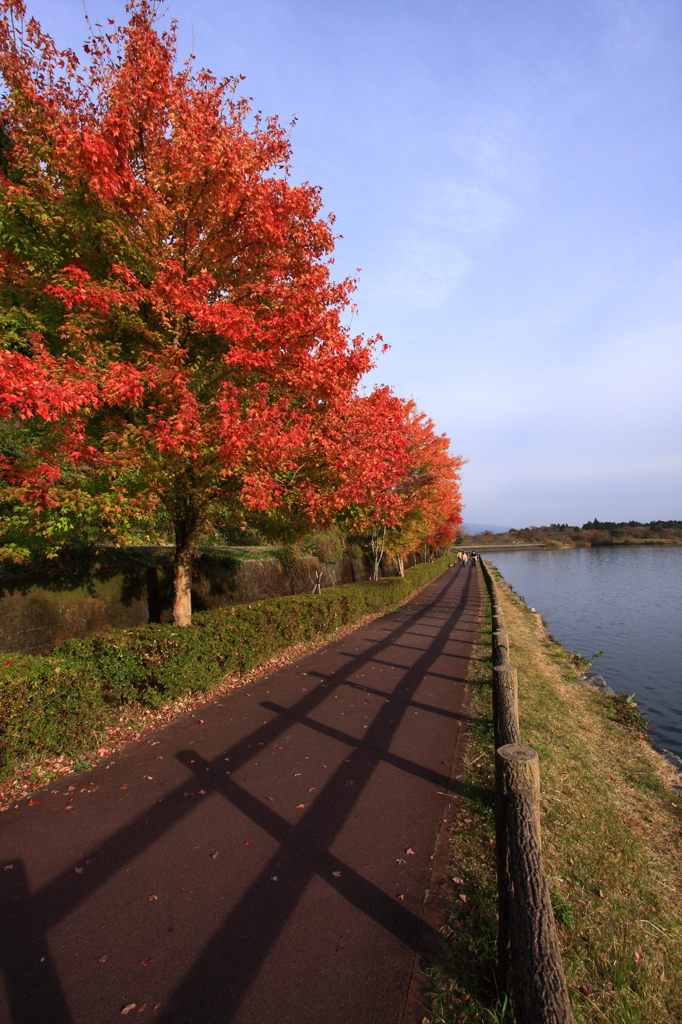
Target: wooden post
[(500, 647), (539, 986), (505, 705), (504, 886)]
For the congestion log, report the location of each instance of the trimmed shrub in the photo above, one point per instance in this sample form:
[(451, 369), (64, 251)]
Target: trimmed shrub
[(59, 703)]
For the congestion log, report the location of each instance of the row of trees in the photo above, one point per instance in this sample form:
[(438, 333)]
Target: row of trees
[(173, 352)]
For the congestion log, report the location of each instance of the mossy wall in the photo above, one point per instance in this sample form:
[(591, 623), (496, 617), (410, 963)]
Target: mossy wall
[(38, 611)]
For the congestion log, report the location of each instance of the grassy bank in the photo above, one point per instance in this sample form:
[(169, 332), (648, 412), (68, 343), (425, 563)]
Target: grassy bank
[(90, 694), (612, 830)]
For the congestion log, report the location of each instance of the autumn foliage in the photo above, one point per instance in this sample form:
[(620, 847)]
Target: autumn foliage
[(173, 347)]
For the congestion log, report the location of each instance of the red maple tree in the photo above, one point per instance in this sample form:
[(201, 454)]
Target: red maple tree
[(172, 335)]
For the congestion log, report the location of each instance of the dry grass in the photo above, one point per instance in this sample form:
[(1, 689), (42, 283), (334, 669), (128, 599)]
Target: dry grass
[(612, 829)]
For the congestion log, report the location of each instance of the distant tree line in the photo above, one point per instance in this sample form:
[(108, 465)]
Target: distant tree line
[(591, 534)]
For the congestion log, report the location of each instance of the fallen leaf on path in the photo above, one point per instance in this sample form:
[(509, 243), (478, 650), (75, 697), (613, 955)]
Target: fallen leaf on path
[(127, 1008), (462, 897), (299, 807), (409, 852), (79, 871), (399, 896), (458, 881), (142, 1008), (296, 774), (202, 792), (124, 786), (336, 874), (214, 855), (339, 948), (32, 802), (7, 867), (271, 798), (102, 959), (248, 842), (146, 963), (69, 807), (601, 895), (150, 777), (152, 897)]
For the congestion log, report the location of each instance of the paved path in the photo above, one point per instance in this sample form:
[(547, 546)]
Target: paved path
[(263, 866)]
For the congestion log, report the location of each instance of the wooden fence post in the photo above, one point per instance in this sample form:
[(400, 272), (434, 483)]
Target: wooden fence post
[(505, 705), (500, 646), (506, 726), (538, 982)]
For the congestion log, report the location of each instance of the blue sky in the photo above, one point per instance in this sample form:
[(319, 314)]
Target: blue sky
[(506, 174)]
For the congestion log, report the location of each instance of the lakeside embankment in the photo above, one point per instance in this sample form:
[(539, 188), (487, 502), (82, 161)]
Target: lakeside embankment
[(611, 833)]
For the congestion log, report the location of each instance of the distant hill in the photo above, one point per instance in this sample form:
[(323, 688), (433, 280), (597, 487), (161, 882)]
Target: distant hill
[(473, 528)]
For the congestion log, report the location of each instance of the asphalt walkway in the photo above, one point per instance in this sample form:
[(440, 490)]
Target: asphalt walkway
[(263, 861)]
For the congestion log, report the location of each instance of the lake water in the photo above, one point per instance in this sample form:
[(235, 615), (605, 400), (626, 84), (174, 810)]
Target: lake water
[(624, 601)]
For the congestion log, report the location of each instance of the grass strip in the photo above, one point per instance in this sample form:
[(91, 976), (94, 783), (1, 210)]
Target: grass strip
[(611, 833), (68, 703)]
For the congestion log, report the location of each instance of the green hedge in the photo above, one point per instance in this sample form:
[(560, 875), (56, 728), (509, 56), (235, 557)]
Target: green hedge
[(60, 703)]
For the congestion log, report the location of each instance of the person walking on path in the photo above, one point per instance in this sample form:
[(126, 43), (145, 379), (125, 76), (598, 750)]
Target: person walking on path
[(465, 558), (262, 860)]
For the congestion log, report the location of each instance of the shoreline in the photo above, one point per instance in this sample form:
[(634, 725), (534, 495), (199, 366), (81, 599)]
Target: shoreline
[(590, 679), (611, 828)]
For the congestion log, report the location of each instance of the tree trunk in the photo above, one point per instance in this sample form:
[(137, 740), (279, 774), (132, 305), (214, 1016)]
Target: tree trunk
[(378, 550), (401, 565), (185, 530)]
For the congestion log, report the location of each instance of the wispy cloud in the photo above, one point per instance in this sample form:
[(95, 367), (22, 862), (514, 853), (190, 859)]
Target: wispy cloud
[(422, 271), (475, 211), (451, 219)]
